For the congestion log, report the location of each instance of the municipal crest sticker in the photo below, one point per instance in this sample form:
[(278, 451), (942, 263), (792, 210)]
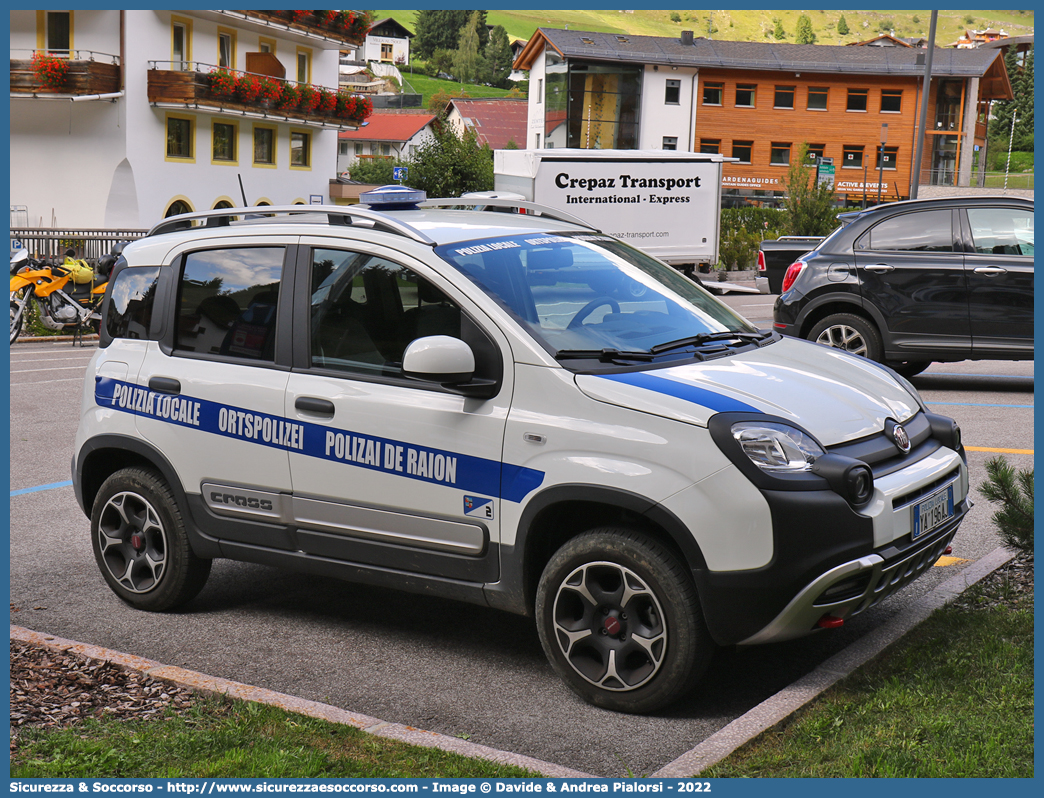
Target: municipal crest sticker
[(478, 506)]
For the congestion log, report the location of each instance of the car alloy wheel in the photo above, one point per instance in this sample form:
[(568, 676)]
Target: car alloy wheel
[(133, 542), (609, 626)]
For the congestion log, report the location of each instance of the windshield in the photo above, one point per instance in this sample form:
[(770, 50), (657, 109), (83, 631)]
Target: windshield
[(590, 295)]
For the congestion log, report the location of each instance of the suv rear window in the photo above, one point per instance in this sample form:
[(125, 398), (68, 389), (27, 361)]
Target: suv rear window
[(227, 302), (924, 231), (131, 298)]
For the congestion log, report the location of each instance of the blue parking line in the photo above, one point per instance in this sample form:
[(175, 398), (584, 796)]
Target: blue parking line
[(974, 404), (38, 488)]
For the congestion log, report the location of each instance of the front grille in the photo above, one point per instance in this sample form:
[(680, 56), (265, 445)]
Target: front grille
[(894, 576), (925, 490)]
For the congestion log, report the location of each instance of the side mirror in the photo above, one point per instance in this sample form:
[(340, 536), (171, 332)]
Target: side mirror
[(439, 358)]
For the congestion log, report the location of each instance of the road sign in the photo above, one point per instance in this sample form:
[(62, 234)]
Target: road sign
[(399, 173), (825, 172)]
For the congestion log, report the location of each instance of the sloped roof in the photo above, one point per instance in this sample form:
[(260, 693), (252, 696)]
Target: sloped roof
[(388, 127), (883, 38), (752, 55), (496, 121), (389, 26)]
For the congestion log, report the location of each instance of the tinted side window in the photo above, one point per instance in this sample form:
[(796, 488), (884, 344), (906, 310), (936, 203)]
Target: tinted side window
[(1001, 231), (131, 298), (366, 310), (925, 231), (227, 302)]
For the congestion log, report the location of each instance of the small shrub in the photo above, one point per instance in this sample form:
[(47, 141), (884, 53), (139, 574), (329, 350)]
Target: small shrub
[(247, 88), (675, 16), (270, 90), (309, 98), (222, 82), (1013, 490), (289, 97), (327, 101), (50, 70)]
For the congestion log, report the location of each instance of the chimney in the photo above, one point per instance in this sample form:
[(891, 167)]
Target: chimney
[(686, 37)]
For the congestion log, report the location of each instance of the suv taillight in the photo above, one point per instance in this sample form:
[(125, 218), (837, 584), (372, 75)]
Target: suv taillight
[(792, 273), (761, 261)]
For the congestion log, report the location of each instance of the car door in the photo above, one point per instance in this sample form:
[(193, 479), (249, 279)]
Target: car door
[(911, 269), (999, 263), (392, 472), (212, 390)]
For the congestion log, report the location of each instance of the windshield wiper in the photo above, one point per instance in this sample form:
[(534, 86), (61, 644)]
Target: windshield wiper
[(607, 354), (706, 338)]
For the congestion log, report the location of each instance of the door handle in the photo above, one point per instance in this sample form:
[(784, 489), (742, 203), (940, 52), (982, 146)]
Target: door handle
[(879, 268), (314, 405), (164, 385), (990, 271)]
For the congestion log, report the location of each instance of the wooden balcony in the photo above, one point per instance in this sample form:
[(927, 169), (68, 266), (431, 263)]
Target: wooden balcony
[(311, 24), (191, 90), (89, 73)]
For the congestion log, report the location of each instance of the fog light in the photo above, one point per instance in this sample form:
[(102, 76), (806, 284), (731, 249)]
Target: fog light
[(846, 476)]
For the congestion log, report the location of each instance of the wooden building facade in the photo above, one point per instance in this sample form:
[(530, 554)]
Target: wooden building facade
[(760, 102)]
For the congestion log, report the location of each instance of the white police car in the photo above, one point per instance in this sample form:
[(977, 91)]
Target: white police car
[(484, 406)]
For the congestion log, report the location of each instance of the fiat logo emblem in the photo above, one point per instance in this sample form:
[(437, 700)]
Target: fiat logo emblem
[(902, 440)]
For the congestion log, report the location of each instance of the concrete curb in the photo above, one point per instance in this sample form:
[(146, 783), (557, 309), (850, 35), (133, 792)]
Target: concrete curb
[(774, 710), (202, 683), (719, 745)]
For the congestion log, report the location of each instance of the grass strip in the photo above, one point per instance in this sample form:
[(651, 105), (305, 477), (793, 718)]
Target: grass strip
[(952, 699), (220, 738)]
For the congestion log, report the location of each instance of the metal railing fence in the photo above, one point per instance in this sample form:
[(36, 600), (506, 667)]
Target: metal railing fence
[(52, 243)]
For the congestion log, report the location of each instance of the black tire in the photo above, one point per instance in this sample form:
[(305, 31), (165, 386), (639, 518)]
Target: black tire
[(620, 621), (851, 333), (16, 326), (910, 368), (140, 543)]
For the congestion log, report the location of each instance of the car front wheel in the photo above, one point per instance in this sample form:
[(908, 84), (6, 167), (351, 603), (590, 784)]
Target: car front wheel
[(140, 543), (620, 621)]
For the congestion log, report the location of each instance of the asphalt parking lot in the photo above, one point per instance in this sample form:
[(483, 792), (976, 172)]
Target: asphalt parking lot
[(457, 669)]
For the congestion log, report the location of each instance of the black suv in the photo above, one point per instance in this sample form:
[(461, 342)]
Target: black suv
[(908, 283)]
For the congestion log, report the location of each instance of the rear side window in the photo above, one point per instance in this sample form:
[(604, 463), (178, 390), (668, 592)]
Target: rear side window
[(925, 231), (131, 298), (1001, 231), (227, 302)]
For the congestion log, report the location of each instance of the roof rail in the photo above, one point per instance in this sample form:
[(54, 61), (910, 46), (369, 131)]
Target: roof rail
[(335, 214), (539, 210)]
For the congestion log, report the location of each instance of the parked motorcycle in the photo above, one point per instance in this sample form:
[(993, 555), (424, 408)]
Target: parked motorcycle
[(50, 291)]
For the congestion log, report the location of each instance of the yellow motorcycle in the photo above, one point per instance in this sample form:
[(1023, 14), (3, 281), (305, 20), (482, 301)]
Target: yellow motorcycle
[(62, 296)]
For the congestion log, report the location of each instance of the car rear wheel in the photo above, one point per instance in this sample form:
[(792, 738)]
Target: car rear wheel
[(140, 543), (848, 332), (620, 621)]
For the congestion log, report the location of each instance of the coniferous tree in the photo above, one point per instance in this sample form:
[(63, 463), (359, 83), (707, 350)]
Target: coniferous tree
[(440, 30), (467, 61), (842, 26), (1022, 106), (805, 34), (498, 59)]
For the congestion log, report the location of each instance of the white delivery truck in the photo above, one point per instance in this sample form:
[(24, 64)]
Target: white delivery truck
[(666, 203)]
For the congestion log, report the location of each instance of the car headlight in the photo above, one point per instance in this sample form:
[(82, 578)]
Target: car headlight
[(776, 447)]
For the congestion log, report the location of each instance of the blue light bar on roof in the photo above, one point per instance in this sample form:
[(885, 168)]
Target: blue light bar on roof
[(393, 197)]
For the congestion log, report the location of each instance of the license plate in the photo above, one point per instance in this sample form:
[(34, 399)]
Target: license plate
[(935, 510)]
